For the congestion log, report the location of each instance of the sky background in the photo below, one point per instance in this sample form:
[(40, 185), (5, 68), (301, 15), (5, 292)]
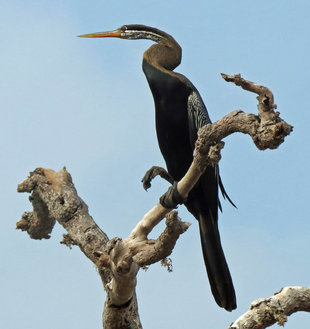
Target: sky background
[(85, 104)]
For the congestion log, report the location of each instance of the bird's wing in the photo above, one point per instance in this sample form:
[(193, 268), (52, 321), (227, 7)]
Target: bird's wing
[(197, 118)]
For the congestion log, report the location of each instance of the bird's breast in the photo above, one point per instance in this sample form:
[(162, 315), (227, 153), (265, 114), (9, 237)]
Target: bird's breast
[(171, 100)]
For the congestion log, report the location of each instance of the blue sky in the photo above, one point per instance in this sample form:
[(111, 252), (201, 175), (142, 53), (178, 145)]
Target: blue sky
[(85, 104)]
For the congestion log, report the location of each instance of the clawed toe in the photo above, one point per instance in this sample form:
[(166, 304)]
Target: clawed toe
[(152, 173)]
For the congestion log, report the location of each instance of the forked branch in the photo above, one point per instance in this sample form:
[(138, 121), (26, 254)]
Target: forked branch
[(54, 198), (118, 260)]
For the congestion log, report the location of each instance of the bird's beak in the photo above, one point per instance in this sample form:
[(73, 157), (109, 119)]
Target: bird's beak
[(113, 34)]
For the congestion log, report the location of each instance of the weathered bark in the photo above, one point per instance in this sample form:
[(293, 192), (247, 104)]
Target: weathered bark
[(118, 260), (275, 309), (54, 198)]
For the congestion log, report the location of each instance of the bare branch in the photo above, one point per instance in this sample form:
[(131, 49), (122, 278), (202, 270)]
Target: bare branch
[(154, 251), (267, 130), (54, 198), (55, 193), (275, 309)]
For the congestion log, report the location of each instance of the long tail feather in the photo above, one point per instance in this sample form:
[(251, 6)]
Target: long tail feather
[(217, 268)]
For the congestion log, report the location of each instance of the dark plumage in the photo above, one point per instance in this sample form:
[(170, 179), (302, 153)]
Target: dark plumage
[(180, 112)]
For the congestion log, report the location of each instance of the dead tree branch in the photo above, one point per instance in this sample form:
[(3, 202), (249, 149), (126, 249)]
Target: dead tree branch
[(118, 261), (275, 309), (54, 198), (267, 130)]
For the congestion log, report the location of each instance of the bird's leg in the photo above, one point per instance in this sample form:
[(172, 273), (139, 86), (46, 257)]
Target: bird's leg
[(152, 173)]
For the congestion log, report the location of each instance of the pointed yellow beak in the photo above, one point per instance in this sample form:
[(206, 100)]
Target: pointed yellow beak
[(111, 34)]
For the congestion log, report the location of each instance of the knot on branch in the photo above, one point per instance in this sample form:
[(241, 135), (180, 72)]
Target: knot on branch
[(68, 241), (270, 135), (207, 148), (174, 225), (116, 257), (36, 228), (51, 198)]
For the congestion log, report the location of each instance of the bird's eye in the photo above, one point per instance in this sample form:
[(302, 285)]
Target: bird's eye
[(124, 28)]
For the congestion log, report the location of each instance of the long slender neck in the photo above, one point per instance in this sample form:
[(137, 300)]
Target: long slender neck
[(165, 54)]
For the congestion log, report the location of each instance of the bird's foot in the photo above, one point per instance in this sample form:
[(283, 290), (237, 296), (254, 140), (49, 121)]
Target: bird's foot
[(152, 173), (172, 198)]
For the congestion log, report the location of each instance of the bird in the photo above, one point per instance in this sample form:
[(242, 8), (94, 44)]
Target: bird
[(179, 114)]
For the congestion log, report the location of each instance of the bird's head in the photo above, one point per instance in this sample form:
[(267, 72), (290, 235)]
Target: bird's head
[(132, 32)]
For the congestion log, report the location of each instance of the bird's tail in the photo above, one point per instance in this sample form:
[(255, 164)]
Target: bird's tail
[(217, 268)]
